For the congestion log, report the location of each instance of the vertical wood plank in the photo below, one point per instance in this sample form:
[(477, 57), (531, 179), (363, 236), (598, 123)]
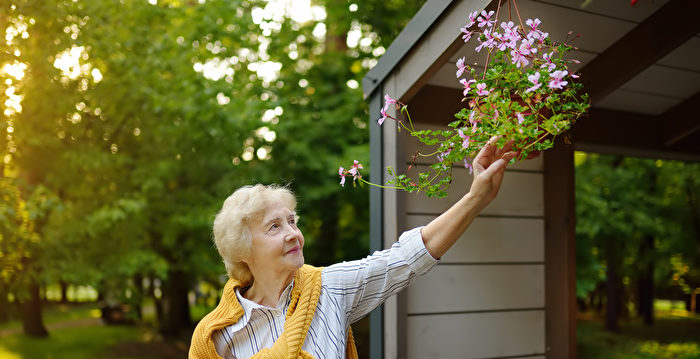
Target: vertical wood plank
[(560, 251)]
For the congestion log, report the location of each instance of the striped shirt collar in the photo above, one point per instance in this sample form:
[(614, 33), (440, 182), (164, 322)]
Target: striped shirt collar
[(249, 306)]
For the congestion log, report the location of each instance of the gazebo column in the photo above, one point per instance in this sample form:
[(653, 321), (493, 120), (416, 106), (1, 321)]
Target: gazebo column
[(560, 251)]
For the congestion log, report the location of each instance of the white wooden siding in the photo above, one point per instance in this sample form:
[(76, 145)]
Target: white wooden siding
[(486, 297), (521, 195), (494, 240), (476, 335), (467, 288)]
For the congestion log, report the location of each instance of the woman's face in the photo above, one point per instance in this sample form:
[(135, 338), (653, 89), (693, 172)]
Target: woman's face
[(277, 243)]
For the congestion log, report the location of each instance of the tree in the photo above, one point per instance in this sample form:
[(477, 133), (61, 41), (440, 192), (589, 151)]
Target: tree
[(632, 216)]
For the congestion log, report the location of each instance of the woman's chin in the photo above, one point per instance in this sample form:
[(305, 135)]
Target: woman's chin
[(296, 259)]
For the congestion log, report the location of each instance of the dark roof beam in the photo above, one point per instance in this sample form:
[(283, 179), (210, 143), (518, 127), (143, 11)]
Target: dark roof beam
[(680, 121)]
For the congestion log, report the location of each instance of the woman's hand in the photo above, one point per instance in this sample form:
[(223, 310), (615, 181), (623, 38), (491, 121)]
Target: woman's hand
[(489, 166)]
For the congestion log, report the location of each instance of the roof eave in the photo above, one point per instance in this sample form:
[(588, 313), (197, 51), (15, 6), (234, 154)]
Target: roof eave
[(405, 41)]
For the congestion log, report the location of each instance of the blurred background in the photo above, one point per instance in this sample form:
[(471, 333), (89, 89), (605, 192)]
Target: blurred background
[(125, 124)]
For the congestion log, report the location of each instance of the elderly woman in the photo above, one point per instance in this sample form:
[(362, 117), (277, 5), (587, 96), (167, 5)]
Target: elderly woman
[(275, 306)]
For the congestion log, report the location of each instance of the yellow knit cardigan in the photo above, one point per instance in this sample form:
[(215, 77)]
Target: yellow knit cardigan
[(305, 294)]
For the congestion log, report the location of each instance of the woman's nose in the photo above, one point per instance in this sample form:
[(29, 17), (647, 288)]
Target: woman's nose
[(290, 232)]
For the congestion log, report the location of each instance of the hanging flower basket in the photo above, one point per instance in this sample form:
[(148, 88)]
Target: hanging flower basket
[(525, 94)]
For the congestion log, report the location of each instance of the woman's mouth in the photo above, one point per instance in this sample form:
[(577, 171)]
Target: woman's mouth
[(296, 249)]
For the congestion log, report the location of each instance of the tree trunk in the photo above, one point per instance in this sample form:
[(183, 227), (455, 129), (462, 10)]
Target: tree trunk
[(4, 304), (137, 297), (64, 292), (646, 281), (176, 308), (612, 286), (32, 321), (157, 302)]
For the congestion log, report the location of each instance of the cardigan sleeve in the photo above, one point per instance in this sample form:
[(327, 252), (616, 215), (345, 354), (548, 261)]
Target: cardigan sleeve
[(364, 284)]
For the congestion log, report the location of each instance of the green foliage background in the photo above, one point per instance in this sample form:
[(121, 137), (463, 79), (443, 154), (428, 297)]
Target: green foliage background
[(113, 169), (621, 202)]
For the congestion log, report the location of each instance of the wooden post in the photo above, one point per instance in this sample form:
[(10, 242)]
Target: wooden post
[(560, 251)]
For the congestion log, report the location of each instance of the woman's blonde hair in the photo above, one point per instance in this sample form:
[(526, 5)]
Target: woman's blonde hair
[(232, 235)]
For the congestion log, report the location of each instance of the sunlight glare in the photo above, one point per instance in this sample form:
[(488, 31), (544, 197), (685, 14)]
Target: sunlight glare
[(268, 115), (96, 75), (263, 153), (15, 70), (319, 30), (267, 70), (222, 99), (300, 11), (68, 61), (354, 35), (216, 68)]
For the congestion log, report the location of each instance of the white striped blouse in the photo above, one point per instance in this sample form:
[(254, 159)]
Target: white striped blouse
[(349, 291)]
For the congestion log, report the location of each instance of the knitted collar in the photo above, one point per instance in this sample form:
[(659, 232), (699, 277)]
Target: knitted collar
[(302, 307)]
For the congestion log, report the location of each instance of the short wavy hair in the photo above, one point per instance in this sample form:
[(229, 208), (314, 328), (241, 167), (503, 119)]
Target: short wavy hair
[(232, 234)]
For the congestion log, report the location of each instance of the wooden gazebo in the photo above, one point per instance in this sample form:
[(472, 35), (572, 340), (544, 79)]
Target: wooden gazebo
[(507, 290)]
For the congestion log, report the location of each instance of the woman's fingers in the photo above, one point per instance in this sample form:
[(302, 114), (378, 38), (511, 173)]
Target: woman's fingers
[(490, 153)]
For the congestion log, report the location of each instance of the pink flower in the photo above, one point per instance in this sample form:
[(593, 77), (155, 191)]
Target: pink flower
[(535, 79), (466, 84), (441, 156), (342, 176), (461, 67), (490, 41), (467, 34), (556, 81), (468, 165), (533, 24), (465, 139), (501, 45), (509, 28), (472, 19), (548, 62), (486, 19), (535, 33), (510, 36), (384, 116), (520, 56), (521, 118), (526, 47), (354, 171), (388, 101), (481, 89), (473, 121)]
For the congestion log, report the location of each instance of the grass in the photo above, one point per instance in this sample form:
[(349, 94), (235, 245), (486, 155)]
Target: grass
[(81, 342), (674, 335), (57, 312), (75, 333)]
